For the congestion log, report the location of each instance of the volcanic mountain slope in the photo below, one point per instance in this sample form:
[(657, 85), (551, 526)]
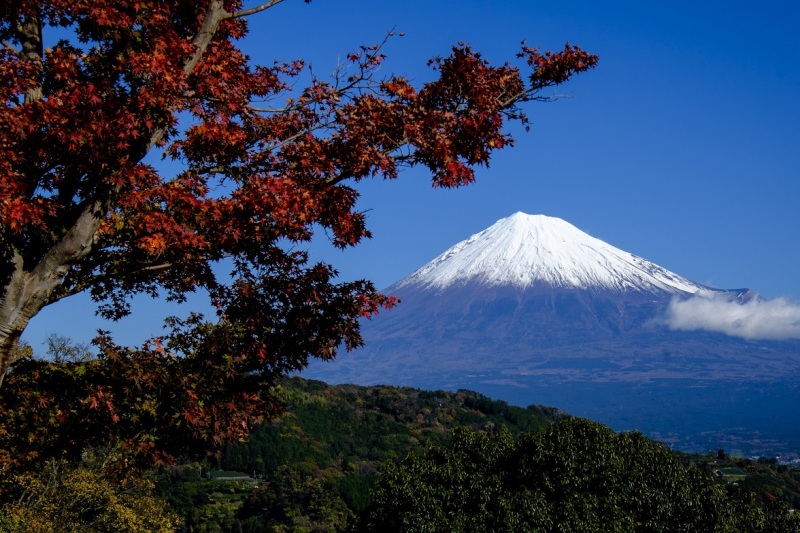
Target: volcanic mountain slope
[(534, 295)]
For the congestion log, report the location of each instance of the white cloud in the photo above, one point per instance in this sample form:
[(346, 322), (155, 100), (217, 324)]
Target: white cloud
[(757, 319)]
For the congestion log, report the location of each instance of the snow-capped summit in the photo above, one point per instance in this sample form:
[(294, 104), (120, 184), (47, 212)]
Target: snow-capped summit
[(536, 250)]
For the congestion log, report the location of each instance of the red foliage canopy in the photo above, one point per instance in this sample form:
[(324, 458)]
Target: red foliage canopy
[(80, 210)]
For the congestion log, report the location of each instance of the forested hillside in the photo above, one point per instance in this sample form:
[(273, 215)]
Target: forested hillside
[(349, 458), (316, 466)]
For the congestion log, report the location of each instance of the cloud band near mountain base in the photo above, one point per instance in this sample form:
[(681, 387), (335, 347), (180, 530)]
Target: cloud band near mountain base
[(776, 319)]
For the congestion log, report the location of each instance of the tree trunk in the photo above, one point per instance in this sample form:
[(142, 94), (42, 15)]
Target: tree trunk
[(10, 331), (27, 293)]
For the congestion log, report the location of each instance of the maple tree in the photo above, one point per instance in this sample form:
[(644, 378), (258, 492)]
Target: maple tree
[(261, 166)]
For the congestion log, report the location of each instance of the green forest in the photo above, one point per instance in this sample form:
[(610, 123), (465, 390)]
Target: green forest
[(351, 458)]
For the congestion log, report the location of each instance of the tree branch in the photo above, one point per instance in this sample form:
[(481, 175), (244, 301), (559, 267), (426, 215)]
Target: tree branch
[(253, 10), (347, 174), (10, 47), (214, 15), (63, 292), (29, 34)]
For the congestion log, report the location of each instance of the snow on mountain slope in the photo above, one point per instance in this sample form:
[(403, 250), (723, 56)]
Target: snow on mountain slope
[(528, 250)]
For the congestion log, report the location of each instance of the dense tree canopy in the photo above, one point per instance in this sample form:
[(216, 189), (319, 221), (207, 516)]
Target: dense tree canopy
[(576, 475), (262, 166)]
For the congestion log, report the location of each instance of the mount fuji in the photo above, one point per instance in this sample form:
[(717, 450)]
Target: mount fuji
[(531, 294), (533, 310)]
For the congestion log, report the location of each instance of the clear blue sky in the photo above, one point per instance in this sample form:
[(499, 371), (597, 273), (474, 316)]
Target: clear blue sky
[(682, 146)]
